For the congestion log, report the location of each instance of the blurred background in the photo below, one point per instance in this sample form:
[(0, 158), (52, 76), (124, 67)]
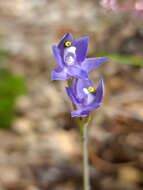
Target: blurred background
[(40, 146)]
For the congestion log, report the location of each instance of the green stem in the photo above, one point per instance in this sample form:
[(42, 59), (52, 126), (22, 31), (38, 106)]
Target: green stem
[(83, 125), (86, 180)]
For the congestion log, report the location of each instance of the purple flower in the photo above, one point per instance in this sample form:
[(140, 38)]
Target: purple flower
[(85, 96), (70, 55)]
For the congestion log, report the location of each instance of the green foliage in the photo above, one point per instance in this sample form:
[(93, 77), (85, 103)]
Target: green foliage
[(3, 55), (11, 86), (124, 59)]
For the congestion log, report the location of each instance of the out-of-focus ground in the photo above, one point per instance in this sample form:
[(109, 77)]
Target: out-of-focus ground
[(41, 149)]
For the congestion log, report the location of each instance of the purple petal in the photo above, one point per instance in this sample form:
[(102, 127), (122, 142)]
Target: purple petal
[(74, 84), (83, 112), (99, 91), (57, 56), (77, 72), (80, 113), (98, 95), (81, 48), (83, 84), (66, 37), (72, 96), (59, 74), (91, 63)]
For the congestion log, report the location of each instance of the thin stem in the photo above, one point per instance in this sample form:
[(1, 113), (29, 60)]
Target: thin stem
[(86, 180), (83, 125)]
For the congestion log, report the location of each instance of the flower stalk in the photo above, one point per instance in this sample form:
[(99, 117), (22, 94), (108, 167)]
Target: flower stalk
[(84, 139), (83, 126)]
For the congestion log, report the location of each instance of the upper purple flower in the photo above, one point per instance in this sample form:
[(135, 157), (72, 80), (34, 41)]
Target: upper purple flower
[(70, 55), (85, 96)]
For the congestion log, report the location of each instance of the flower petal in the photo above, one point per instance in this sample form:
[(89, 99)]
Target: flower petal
[(91, 63), (66, 37), (59, 74), (94, 99), (57, 56), (83, 112), (81, 48), (77, 72), (72, 96), (74, 84), (80, 113), (99, 91), (81, 84)]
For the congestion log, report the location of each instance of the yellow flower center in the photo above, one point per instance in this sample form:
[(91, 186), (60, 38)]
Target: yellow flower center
[(67, 43), (91, 89)]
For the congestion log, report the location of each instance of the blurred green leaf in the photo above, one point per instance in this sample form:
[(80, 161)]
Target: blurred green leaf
[(124, 59), (11, 86), (3, 57)]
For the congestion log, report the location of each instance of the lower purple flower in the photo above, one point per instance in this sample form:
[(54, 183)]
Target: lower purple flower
[(85, 96)]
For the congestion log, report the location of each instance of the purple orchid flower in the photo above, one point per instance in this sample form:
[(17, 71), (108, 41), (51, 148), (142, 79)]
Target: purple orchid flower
[(70, 55), (85, 96)]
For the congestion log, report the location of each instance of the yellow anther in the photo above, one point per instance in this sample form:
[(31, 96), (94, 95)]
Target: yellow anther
[(91, 89), (67, 43)]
